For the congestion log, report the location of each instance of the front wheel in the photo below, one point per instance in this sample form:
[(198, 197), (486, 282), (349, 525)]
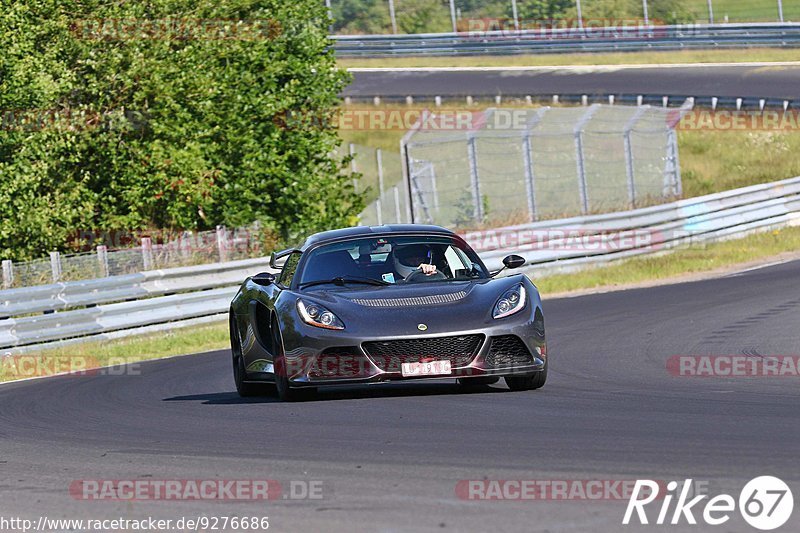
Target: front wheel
[(534, 381)]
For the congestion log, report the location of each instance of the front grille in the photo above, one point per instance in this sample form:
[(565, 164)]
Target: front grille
[(508, 350), (340, 363), (411, 301), (390, 355)]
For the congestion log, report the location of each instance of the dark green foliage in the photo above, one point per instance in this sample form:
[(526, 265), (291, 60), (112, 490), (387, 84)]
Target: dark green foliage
[(113, 120)]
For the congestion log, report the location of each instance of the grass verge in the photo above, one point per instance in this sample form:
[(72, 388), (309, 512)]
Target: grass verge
[(682, 262), (115, 353), (555, 60)]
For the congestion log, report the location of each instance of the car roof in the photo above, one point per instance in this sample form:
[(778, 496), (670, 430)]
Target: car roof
[(367, 231)]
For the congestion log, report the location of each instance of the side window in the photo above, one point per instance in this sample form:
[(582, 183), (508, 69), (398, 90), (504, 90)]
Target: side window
[(289, 269)]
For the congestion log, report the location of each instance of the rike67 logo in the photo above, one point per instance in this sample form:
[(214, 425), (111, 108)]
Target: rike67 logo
[(765, 503)]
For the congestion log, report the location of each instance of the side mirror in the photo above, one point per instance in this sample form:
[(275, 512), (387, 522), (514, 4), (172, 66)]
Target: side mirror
[(513, 261), (263, 279)]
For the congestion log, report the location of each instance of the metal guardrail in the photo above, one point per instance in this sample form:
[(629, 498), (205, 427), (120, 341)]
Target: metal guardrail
[(592, 39), (86, 310), (550, 245)]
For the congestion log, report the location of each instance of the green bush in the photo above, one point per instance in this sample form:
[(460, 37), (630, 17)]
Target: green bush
[(164, 114)]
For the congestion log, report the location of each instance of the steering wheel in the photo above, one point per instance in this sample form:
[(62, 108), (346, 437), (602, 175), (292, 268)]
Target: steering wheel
[(418, 275)]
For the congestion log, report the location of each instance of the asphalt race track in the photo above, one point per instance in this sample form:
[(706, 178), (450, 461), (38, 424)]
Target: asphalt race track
[(389, 458), (772, 82)]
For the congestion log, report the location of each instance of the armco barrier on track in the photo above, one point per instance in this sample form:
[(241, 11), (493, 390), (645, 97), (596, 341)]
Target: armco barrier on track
[(678, 37), (169, 298)]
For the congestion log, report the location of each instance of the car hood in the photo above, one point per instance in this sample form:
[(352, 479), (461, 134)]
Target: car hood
[(400, 309)]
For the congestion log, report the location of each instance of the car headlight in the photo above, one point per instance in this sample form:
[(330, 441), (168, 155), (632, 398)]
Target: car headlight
[(316, 315), (512, 301)]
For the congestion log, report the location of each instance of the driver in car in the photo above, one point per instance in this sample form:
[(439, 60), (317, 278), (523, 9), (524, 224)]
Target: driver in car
[(411, 257)]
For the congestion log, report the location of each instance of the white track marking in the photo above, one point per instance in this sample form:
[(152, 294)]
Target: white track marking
[(576, 68)]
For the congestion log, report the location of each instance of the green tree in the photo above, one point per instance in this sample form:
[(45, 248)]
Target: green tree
[(166, 126)]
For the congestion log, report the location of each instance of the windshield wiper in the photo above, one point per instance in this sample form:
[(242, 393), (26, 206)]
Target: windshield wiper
[(342, 280)]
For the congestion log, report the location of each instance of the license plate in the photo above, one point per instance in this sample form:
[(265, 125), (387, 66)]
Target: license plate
[(431, 368)]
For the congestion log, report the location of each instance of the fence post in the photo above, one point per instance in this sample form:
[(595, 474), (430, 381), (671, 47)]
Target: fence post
[(581, 161), (330, 16), (475, 183), (453, 15), (55, 265), (626, 140), (397, 204), (392, 16), (405, 161), (222, 243), (353, 166), (102, 259), (710, 13), (379, 201), (434, 188), (644, 11), (780, 10), (527, 158), (515, 14), (185, 245), (8, 273), (147, 253)]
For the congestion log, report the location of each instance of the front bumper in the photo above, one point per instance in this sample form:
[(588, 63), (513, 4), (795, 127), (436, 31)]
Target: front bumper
[(334, 358)]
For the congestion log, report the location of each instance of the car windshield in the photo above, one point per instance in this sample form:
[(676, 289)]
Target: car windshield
[(391, 260)]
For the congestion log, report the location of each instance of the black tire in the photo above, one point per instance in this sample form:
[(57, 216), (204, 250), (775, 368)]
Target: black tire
[(244, 389), (522, 383), (480, 381), (285, 392)]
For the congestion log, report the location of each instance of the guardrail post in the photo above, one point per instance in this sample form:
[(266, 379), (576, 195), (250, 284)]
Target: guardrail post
[(222, 243), (55, 265), (579, 157), (147, 253), (102, 259), (475, 183), (8, 273), (378, 202)]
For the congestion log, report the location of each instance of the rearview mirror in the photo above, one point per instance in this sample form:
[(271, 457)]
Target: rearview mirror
[(263, 279), (513, 261)]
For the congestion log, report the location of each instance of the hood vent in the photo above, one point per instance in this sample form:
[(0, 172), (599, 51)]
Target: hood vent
[(411, 301)]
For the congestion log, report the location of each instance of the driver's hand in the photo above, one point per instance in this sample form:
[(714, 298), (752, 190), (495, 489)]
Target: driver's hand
[(428, 269)]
